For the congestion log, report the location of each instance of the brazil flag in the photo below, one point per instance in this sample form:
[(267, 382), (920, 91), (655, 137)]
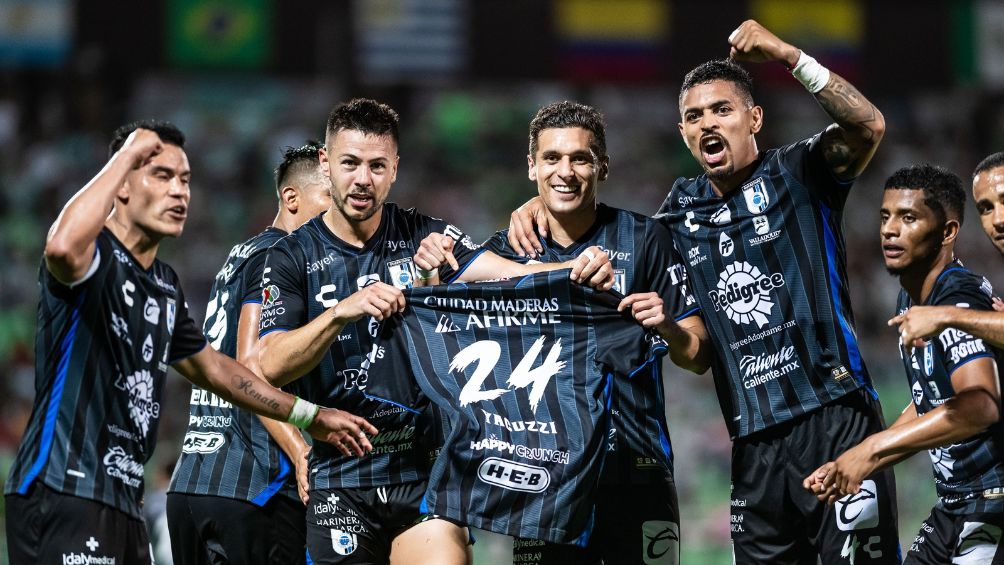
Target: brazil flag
[(233, 34)]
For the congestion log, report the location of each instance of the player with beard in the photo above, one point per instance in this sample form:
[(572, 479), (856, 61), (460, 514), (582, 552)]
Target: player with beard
[(922, 322), (636, 509), (111, 319), (233, 496), (327, 287), (954, 379), (760, 235)]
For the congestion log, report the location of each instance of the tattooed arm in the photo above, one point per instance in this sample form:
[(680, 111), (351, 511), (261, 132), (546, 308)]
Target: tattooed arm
[(847, 145), (214, 371)]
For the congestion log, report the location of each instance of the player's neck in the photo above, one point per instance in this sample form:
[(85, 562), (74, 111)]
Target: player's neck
[(567, 228), (140, 244), (726, 185), (286, 221), (355, 233), (919, 282)]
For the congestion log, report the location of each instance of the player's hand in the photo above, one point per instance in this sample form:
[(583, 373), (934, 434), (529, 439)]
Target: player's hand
[(814, 484), (648, 309), (379, 300), (592, 268), (753, 43), (850, 469), (524, 224), (998, 304), (345, 431), (434, 251), (302, 464), (141, 146), (919, 323)]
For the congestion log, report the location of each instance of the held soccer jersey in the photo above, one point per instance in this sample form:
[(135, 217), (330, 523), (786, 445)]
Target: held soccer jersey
[(973, 467), (227, 451), (523, 368), (767, 266), (308, 272), (104, 345), (640, 251)]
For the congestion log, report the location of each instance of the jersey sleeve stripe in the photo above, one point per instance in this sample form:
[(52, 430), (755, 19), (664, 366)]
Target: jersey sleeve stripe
[(688, 314), (49, 430), (273, 330), (973, 358), (385, 400), (464, 267), (276, 484), (852, 343)]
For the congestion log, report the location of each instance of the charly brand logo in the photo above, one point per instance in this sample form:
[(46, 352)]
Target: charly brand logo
[(660, 542), (978, 543), (755, 193), (689, 222), (858, 511), (744, 293), (722, 216)]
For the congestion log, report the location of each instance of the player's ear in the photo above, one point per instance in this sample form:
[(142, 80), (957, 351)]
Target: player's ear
[(290, 198), (531, 170), (604, 168), (323, 163), (393, 173), (951, 232), (756, 112)]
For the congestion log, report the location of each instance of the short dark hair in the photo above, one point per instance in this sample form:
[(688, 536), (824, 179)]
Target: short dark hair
[(992, 161), (567, 114), (720, 69), (942, 188), (168, 133), (365, 115), (296, 161)]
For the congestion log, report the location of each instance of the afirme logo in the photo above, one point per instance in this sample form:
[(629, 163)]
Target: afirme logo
[(744, 293), (513, 476)]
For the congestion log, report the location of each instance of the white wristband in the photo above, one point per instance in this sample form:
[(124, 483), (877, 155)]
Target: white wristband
[(303, 413), (810, 73)]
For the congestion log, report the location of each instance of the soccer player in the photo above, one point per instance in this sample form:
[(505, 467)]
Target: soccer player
[(637, 515), (954, 379), (112, 318), (760, 234), (233, 497), (328, 285), (922, 322)]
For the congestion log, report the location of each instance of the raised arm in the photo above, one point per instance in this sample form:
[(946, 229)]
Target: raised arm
[(286, 435), (214, 371), (847, 145), (70, 243)]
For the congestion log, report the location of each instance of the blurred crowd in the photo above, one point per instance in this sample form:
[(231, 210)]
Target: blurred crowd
[(463, 158)]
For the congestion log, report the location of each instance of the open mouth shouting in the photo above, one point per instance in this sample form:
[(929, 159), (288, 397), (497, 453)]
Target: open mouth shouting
[(178, 213), (713, 149)]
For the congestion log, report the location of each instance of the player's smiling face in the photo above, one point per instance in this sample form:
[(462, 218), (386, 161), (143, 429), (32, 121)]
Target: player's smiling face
[(912, 233), (155, 197), (718, 126), (567, 169), (988, 191), (362, 167)]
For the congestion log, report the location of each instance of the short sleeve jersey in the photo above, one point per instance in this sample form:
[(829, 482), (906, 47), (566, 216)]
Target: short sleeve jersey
[(104, 346), (963, 471), (640, 250), (227, 451), (311, 270), (523, 369), (767, 266)]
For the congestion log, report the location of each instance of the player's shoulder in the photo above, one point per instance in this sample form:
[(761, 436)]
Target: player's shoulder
[(957, 281)]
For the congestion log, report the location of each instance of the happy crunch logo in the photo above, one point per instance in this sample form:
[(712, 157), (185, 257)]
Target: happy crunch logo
[(744, 293)]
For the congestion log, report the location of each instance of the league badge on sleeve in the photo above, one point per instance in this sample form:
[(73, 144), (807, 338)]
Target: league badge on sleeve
[(755, 193)]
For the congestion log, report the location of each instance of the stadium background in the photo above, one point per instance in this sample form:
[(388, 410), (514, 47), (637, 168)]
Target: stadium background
[(244, 78)]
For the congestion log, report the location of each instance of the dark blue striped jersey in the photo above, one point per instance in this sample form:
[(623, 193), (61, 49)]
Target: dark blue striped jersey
[(308, 272), (640, 249), (767, 266), (523, 368), (965, 470), (227, 451), (103, 346)]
